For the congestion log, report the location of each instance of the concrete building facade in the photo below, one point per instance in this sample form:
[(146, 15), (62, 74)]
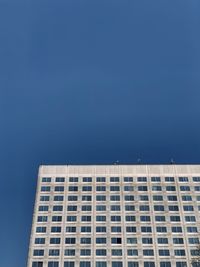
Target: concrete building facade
[(116, 216)]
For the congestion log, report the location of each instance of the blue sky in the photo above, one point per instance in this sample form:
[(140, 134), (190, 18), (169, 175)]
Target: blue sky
[(92, 82)]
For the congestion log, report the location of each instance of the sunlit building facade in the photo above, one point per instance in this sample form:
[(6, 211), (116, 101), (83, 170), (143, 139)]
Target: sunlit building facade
[(116, 216)]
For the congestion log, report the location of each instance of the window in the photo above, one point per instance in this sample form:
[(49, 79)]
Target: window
[(53, 264), (198, 198), (179, 252), (101, 229), (72, 208), (188, 208), (60, 179), (70, 240), (100, 188), (142, 188), (183, 179), (184, 188), (57, 208), (143, 198), (87, 188), (39, 240), (116, 229), (86, 208), (115, 198), (172, 198), (144, 208), (146, 229), (71, 218), (155, 179), (156, 188), (84, 263), (175, 218), (116, 240), (162, 240), (142, 179), (145, 218), (129, 198), (101, 179), (58, 198), (192, 229), (42, 218), (85, 229), (181, 264), (86, 198), (115, 218), (116, 252), (163, 252), (178, 240), (161, 229), (173, 208), (54, 240), (128, 188), (176, 229), (115, 208), (69, 264), (130, 229), (193, 240), (37, 264), (165, 264), (196, 179), (131, 240), (41, 229), (147, 240), (128, 179), (100, 198), (56, 218), (72, 198), (169, 179), (190, 219), (186, 198), (117, 264), (100, 207), (159, 208), (45, 188), (54, 252), (101, 264), (100, 218), (70, 229), (157, 198), (85, 252), (129, 207), (149, 264), (69, 252), (38, 252), (114, 188), (197, 188), (130, 218), (73, 188), (59, 189), (170, 188), (46, 179), (43, 208), (44, 198), (86, 218), (160, 218), (100, 240), (56, 229), (85, 240), (133, 264), (101, 252), (148, 252), (87, 179), (114, 179), (73, 179)]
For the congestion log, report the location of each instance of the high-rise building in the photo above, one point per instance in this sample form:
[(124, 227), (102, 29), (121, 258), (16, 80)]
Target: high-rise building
[(116, 216)]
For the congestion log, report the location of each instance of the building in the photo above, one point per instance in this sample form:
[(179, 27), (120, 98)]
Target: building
[(116, 216)]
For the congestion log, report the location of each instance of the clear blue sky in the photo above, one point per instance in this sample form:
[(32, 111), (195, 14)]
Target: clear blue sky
[(92, 82)]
